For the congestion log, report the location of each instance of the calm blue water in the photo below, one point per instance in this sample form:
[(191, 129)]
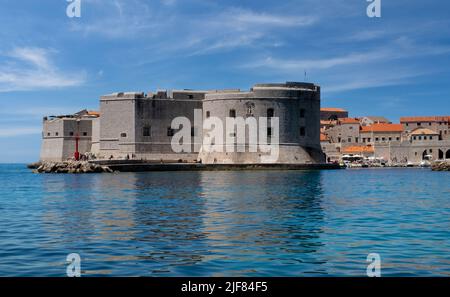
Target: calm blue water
[(276, 223)]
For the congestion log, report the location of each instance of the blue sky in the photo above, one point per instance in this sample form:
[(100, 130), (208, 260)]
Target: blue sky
[(393, 66)]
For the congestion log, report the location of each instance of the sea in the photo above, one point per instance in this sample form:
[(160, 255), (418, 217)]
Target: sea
[(226, 223)]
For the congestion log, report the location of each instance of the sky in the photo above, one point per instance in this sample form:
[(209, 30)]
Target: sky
[(396, 65)]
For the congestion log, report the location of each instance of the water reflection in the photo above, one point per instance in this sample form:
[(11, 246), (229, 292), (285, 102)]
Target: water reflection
[(187, 223), (250, 223), (261, 221), (168, 210)]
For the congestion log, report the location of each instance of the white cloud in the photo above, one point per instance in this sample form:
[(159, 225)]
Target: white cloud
[(167, 31), (240, 18), (11, 132), (30, 68), (301, 65)]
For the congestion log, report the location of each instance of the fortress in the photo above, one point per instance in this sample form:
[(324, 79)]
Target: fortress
[(139, 126)]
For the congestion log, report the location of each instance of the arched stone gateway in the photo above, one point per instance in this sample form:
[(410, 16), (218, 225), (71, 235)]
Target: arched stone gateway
[(447, 154), (424, 154), (441, 155)]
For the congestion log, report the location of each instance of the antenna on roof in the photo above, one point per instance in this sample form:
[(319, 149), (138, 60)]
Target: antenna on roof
[(305, 76)]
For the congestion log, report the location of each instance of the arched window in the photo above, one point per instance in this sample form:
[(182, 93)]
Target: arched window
[(302, 131), (270, 112), (249, 106), (424, 154), (302, 113), (146, 131)]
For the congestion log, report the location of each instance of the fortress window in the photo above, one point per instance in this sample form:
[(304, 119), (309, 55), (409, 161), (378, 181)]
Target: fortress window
[(193, 131), (390, 138), (419, 124), (84, 133), (170, 132), (250, 106), (302, 113), (123, 134), (398, 138), (269, 132), (56, 133), (208, 114), (377, 139), (48, 134), (369, 139), (71, 133), (356, 139), (232, 113), (270, 113), (339, 139), (191, 96), (364, 140), (302, 131), (146, 131), (349, 139)]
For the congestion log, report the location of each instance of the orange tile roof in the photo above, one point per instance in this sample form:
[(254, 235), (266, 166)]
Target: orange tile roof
[(382, 127), (93, 113), (358, 149), (322, 122), (332, 109), (425, 119), (424, 131), (348, 121), (323, 137)]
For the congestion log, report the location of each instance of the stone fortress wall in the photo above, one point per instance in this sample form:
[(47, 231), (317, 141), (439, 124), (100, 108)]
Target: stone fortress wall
[(138, 126), (297, 105), (58, 137)]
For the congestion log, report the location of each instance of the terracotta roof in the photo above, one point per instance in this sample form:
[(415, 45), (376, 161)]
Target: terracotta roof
[(358, 149), (332, 109), (323, 137), (348, 121), (425, 119), (424, 131), (322, 122), (93, 113), (383, 128)]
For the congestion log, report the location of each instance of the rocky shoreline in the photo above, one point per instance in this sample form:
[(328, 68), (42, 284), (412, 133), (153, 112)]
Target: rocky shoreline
[(69, 167), (441, 166)]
